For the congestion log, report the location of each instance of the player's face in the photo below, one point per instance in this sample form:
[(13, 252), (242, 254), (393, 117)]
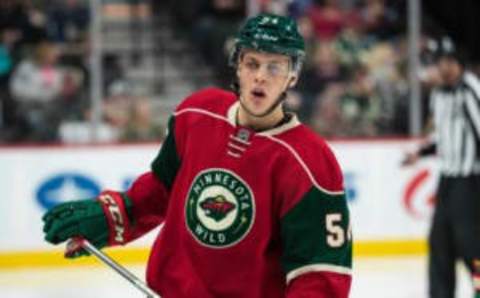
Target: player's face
[(262, 77), (450, 70)]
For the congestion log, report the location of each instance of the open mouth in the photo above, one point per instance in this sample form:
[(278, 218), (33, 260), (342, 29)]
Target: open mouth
[(258, 93)]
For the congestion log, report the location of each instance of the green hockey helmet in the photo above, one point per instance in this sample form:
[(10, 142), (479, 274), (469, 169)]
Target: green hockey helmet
[(270, 33)]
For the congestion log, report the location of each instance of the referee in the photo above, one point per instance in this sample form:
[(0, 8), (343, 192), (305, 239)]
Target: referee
[(455, 231)]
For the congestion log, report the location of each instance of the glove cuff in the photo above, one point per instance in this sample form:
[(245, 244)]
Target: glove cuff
[(115, 210)]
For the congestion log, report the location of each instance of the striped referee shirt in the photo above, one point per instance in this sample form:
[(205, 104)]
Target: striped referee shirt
[(456, 116)]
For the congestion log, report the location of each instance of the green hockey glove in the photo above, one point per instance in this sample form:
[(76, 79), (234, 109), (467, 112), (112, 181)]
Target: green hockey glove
[(103, 221)]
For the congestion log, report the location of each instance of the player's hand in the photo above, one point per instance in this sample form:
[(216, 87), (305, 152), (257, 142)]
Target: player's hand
[(80, 218), (410, 159)]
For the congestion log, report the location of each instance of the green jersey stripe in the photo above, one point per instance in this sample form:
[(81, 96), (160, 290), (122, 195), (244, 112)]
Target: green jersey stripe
[(317, 231), (165, 166)]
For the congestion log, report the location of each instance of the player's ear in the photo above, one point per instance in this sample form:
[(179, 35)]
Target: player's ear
[(238, 62), (293, 81)]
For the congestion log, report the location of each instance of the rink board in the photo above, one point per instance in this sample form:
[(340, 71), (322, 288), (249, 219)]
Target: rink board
[(390, 205)]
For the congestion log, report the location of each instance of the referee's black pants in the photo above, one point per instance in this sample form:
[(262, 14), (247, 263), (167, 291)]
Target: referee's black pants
[(455, 233)]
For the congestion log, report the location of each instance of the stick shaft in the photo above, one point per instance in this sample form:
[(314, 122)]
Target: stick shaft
[(135, 281)]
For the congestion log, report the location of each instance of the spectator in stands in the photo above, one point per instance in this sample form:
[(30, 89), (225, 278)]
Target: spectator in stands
[(117, 103), (305, 27), (273, 6), (325, 69), (5, 68), (380, 21), (386, 63), (39, 87), (185, 13), (213, 29), (68, 20), (141, 126), (298, 8), (6, 60), (360, 105), (326, 110), (351, 43), (40, 79), (7, 40), (114, 118), (317, 76), (328, 17), (113, 71), (24, 24)]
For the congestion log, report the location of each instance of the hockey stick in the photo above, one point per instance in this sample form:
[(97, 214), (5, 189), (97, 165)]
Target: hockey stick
[(78, 243)]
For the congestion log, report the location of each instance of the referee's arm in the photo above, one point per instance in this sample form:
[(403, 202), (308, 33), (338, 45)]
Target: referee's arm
[(429, 147)]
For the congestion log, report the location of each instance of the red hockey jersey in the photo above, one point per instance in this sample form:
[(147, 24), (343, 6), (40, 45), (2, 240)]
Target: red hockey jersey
[(246, 214)]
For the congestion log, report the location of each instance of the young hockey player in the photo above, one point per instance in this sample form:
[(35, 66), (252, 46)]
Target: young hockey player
[(252, 201)]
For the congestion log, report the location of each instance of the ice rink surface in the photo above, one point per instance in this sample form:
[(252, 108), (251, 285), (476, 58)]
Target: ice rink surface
[(376, 277)]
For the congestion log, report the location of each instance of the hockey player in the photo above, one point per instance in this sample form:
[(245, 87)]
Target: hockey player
[(252, 200)]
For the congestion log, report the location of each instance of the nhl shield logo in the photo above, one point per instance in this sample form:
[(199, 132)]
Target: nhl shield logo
[(220, 208)]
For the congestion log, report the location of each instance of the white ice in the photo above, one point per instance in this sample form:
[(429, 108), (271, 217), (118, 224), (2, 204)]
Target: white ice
[(373, 277)]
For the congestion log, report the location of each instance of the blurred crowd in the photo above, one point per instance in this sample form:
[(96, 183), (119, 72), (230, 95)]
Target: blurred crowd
[(355, 74), (44, 78)]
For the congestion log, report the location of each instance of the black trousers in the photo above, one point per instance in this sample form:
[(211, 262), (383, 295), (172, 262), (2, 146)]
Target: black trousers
[(455, 233)]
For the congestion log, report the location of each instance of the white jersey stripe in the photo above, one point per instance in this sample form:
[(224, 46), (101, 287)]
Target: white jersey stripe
[(236, 155), (448, 140), (469, 153), (473, 109), (303, 165), (240, 140), (457, 144), (201, 111), (474, 83), (317, 268), (236, 147)]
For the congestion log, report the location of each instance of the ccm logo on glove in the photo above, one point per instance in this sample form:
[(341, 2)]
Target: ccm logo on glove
[(115, 216)]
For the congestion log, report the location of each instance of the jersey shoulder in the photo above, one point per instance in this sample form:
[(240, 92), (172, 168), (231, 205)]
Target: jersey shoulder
[(212, 100), (315, 157), (472, 82)]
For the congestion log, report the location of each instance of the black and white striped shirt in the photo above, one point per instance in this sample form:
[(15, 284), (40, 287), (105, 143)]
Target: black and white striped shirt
[(456, 116)]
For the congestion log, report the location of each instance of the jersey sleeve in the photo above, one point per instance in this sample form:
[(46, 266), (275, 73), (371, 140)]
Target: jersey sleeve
[(317, 247), (151, 191), (165, 166), (316, 233)]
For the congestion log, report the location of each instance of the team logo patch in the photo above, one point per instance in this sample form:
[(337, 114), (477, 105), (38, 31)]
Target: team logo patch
[(220, 208)]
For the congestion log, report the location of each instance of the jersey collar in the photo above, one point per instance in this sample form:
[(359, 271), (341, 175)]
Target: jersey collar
[(292, 123)]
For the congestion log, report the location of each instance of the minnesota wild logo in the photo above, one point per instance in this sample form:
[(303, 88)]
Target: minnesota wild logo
[(217, 208), (220, 208)]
